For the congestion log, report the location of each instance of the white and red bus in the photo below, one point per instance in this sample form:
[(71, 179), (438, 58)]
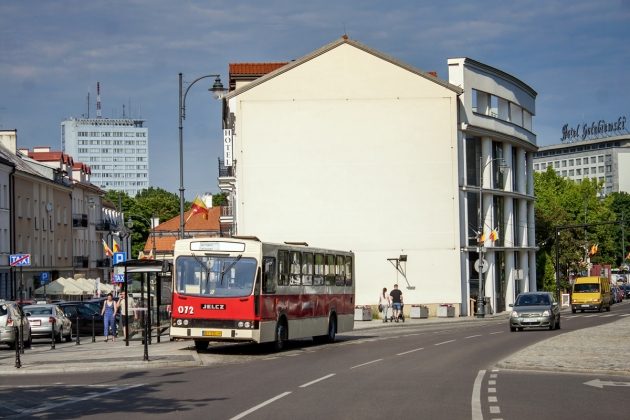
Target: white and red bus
[(242, 289)]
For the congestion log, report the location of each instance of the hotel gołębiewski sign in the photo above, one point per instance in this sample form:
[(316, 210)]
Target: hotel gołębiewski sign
[(596, 129)]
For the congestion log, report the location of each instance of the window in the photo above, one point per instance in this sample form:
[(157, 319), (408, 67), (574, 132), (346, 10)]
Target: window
[(600, 158), (283, 268), (340, 271), (585, 171), (516, 114), (601, 169), (296, 266), (318, 278), (564, 173), (527, 120), (578, 161), (571, 161), (564, 163), (536, 166), (592, 159), (329, 270), (556, 164), (578, 171), (571, 172), (307, 269), (348, 270)]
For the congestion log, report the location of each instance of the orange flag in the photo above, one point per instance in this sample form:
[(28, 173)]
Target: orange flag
[(106, 249), (116, 247), (494, 235), (198, 206)]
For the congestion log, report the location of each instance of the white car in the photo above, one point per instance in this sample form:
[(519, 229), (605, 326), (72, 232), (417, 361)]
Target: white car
[(44, 318), (11, 316)]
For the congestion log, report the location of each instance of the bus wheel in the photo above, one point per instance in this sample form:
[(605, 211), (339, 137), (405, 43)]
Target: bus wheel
[(282, 333), (201, 345)]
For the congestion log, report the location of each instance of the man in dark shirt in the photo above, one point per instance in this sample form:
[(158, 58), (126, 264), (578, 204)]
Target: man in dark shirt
[(396, 301)]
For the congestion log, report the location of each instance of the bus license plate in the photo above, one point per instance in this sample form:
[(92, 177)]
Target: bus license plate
[(211, 333)]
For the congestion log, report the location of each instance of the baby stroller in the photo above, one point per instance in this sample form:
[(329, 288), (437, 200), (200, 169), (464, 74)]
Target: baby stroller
[(401, 316)]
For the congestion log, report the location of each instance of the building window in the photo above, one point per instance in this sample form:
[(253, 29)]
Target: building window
[(556, 164), (600, 158), (564, 163), (473, 152), (585, 171), (578, 161), (593, 159), (601, 169), (536, 166), (578, 172), (571, 162), (564, 173), (571, 172)]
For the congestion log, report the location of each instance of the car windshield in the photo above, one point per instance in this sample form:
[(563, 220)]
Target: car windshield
[(38, 310), (586, 288), (217, 276), (532, 300)]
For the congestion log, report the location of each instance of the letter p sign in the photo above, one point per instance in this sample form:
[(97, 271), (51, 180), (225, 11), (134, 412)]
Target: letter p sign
[(119, 257)]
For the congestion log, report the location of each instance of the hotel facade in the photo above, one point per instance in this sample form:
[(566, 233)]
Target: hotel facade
[(315, 153)]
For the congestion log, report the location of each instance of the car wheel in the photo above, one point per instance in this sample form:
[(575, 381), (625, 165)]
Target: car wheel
[(558, 323), (513, 329), (573, 310), (69, 336), (29, 343), (520, 328), (552, 324)]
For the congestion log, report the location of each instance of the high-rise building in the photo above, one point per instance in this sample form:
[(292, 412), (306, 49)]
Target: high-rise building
[(117, 151)]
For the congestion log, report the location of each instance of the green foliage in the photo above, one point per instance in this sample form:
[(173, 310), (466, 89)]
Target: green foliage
[(219, 199), (563, 203)]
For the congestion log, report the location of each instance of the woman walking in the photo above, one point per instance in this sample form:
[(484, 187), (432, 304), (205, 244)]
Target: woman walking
[(383, 303), (109, 317)]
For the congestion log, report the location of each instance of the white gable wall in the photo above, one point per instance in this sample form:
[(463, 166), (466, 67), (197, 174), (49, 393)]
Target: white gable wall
[(350, 151)]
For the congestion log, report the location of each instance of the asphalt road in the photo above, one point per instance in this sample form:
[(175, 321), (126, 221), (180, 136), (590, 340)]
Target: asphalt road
[(444, 371)]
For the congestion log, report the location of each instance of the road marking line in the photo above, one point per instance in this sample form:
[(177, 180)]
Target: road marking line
[(606, 316), (261, 405), (411, 335), (472, 336), (492, 399), (367, 363), (75, 400), (410, 351), (493, 376), (475, 400), (317, 380), (624, 315), (492, 382), (492, 390), (496, 332), (494, 409), (444, 342), (590, 316)]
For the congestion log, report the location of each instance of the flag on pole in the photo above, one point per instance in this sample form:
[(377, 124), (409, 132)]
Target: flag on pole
[(198, 206), (116, 247), (594, 249), (482, 238), (106, 249), (494, 235)]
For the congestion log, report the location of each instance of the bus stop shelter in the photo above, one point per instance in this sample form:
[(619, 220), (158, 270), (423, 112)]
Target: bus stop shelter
[(153, 273)]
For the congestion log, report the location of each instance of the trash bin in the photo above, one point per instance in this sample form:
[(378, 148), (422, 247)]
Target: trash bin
[(446, 311), (362, 313), (419, 311)]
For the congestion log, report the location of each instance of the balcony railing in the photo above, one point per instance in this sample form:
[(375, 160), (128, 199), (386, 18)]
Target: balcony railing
[(227, 211), (104, 226), (79, 220), (225, 171), (80, 262)]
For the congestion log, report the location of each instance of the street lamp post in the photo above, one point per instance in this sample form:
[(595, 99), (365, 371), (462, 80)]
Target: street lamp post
[(483, 267), (217, 89)]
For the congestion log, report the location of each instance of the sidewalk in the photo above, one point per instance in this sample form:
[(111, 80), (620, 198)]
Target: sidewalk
[(600, 350)]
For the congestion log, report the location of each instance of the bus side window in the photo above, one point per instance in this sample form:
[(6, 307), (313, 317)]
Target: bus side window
[(340, 271), (283, 268), (268, 277), (307, 269), (296, 265), (318, 279), (348, 270), (330, 270)]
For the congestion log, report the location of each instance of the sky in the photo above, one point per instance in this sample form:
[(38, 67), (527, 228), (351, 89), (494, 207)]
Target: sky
[(574, 53)]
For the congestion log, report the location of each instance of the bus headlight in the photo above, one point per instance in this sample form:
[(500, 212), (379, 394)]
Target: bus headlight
[(240, 324), (185, 322), (179, 322), (247, 324)]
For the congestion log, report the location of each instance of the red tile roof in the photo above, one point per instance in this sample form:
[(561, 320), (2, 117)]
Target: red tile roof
[(253, 69), (197, 225)]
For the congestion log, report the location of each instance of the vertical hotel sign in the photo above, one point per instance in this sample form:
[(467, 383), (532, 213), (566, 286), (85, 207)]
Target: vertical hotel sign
[(227, 147)]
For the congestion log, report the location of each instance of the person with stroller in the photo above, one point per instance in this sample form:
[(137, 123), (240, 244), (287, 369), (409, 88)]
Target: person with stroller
[(383, 303), (397, 302)]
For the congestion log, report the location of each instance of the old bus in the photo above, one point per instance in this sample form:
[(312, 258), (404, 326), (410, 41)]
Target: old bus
[(242, 289)]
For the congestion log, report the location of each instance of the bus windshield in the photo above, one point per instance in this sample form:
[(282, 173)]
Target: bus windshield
[(216, 276)]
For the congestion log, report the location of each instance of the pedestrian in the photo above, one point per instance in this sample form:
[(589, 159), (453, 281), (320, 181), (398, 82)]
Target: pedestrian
[(122, 310), (397, 301), (109, 317), (383, 303)]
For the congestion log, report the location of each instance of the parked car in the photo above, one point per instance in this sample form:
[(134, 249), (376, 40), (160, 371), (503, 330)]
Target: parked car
[(626, 290), (535, 309), (621, 295), (86, 311), (43, 318), (11, 316)]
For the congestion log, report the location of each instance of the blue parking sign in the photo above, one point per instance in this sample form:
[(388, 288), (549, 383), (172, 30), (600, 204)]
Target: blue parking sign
[(44, 277), (119, 257)]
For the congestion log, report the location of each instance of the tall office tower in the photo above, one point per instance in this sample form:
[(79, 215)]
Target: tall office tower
[(116, 150)]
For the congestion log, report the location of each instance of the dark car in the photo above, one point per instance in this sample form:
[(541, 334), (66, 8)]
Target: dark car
[(535, 309), (626, 290), (86, 311)]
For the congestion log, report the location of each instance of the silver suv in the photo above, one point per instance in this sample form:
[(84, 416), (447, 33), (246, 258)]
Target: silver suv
[(11, 316)]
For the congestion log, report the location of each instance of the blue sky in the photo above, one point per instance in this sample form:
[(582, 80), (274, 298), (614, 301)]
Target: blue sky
[(574, 53)]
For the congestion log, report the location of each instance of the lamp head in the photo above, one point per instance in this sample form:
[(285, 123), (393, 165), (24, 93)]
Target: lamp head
[(129, 223), (217, 88)]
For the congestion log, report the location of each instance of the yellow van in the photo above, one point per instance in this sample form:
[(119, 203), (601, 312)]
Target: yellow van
[(591, 293)]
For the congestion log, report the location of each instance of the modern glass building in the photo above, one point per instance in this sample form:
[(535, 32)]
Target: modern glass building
[(116, 150)]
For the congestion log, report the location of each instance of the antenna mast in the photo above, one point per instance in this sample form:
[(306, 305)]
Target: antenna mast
[(98, 100)]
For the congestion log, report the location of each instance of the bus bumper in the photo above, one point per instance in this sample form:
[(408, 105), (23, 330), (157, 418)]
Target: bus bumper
[(216, 334)]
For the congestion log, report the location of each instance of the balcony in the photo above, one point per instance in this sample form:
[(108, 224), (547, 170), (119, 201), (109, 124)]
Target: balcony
[(80, 262), (227, 176), (79, 220), (104, 263)]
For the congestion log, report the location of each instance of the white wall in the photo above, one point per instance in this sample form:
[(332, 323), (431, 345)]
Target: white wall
[(353, 152)]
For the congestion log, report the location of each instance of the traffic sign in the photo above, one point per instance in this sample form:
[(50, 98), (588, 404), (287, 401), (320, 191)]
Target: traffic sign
[(481, 265), (119, 278), (119, 257), (19, 260), (44, 277)]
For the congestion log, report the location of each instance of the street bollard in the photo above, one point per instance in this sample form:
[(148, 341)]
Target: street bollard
[(52, 334), (18, 362), (93, 330), (78, 335), (146, 341)]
